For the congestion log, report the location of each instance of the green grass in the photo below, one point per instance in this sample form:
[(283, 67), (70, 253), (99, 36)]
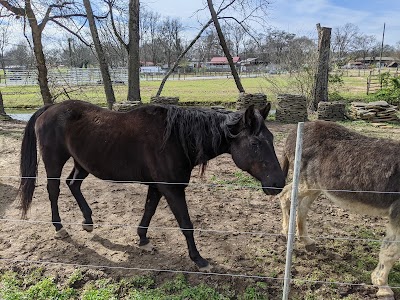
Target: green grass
[(208, 90), (36, 286)]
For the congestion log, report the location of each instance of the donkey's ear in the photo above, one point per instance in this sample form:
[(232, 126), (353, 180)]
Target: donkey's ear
[(265, 110)]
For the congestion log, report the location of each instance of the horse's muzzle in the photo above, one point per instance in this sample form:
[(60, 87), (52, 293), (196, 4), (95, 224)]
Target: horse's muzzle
[(274, 188)]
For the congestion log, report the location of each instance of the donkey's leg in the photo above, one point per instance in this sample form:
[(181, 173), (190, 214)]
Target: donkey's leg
[(389, 253), (175, 196), (284, 198), (306, 198), (74, 182), (152, 200)]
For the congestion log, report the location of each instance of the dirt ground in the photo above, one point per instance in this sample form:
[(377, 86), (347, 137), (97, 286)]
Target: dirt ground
[(238, 231)]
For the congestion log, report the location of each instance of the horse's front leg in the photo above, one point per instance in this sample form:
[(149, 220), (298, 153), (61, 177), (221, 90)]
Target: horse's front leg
[(175, 196), (388, 255), (152, 200)]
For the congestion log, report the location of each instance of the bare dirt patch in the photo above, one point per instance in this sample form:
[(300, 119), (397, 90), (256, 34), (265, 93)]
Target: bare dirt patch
[(238, 231)]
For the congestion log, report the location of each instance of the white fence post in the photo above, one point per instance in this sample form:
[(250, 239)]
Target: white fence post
[(293, 207)]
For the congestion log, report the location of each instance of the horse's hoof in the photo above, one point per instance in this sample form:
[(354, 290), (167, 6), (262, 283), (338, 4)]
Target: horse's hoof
[(206, 269), (147, 247), (87, 227), (385, 293), (61, 234), (311, 248)]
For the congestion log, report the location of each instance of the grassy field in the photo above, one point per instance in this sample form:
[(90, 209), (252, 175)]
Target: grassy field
[(207, 90)]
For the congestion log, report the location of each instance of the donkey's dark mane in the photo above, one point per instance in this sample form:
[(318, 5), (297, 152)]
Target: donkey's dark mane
[(194, 127)]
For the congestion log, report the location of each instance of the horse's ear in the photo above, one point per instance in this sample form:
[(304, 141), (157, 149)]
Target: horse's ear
[(265, 110), (250, 119)]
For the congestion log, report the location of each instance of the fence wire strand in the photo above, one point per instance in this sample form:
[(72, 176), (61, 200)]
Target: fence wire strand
[(259, 277)]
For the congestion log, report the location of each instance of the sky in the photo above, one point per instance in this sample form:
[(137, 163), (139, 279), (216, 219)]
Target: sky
[(301, 16), (294, 16)]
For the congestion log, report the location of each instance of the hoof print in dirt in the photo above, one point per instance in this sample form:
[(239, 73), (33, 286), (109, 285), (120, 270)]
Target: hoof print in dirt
[(61, 234), (311, 248)]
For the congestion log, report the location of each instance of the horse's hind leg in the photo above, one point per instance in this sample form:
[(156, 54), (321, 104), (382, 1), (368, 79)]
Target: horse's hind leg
[(152, 200), (389, 253), (53, 168), (74, 182)]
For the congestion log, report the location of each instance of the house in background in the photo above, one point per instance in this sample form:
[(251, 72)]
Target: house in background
[(220, 63), (374, 60), (251, 64)]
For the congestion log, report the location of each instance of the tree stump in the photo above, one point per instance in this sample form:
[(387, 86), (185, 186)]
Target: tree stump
[(245, 100), (291, 108)]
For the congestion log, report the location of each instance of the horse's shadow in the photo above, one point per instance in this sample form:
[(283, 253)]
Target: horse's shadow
[(8, 194), (136, 260)]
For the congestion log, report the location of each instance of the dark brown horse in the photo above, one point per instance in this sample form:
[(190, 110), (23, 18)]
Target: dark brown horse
[(356, 172), (151, 144)]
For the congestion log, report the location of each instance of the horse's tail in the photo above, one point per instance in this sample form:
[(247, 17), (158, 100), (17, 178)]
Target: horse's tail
[(29, 162)]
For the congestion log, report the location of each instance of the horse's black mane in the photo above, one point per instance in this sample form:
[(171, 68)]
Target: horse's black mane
[(196, 127)]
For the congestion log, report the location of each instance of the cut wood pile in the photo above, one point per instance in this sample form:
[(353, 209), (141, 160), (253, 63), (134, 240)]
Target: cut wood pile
[(126, 106), (245, 100), (291, 108), (379, 111), (331, 111), (164, 100)]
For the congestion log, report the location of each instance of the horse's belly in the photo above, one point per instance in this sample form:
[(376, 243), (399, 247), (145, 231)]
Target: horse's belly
[(357, 206)]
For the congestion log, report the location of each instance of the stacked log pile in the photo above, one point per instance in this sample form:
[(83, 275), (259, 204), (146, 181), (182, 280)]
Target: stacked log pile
[(164, 100), (291, 108), (245, 100), (126, 106), (379, 111), (331, 111)]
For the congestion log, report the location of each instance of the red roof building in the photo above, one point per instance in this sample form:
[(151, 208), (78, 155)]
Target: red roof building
[(222, 60)]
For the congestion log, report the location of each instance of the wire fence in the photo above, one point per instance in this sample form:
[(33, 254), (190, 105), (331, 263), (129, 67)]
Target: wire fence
[(264, 234), (267, 234)]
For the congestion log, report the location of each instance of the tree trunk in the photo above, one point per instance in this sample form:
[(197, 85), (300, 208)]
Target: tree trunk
[(133, 52), (224, 46), (2, 111), (39, 55), (105, 74), (321, 76)]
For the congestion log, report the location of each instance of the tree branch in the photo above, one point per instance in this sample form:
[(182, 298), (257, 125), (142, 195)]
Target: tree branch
[(70, 31)]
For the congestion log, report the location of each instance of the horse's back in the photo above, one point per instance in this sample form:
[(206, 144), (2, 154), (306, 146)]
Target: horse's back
[(338, 159), (108, 144)]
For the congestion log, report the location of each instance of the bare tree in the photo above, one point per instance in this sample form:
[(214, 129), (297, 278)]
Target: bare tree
[(48, 11), (224, 46), (343, 40), (108, 89), (363, 43)]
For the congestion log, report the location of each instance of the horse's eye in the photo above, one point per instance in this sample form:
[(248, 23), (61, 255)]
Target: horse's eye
[(255, 143)]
